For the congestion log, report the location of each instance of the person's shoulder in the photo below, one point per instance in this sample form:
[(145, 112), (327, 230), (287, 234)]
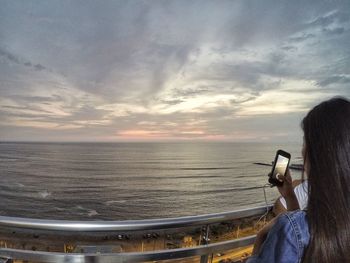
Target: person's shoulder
[(297, 222), (293, 220), (298, 216), (302, 185), (294, 217)]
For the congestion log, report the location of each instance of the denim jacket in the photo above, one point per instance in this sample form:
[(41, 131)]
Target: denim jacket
[(286, 240)]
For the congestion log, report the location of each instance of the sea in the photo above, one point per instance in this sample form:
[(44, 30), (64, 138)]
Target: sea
[(122, 181)]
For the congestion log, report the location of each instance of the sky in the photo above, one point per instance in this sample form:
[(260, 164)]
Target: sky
[(245, 70)]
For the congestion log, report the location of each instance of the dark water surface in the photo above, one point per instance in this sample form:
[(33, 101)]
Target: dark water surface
[(120, 181)]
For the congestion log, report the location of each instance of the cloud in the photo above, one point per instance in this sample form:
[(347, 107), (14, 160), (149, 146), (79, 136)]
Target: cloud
[(35, 99), (180, 69), (334, 31), (11, 57), (15, 59), (39, 67), (341, 79), (331, 17), (301, 38), (172, 102)]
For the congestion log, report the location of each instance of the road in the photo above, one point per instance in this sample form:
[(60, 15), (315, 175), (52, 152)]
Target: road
[(235, 255)]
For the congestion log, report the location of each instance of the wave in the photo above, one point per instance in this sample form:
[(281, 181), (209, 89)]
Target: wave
[(89, 212), (207, 168), (217, 191), (196, 176), (234, 189), (92, 212), (44, 194), (115, 202), (59, 208), (8, 159), (142, 178), (131, 200)]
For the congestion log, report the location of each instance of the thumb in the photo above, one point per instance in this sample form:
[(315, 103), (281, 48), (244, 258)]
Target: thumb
[(279, 177), (288, 177)]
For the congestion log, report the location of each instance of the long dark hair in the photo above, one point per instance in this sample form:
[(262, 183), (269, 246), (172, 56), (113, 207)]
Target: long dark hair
[(327, 158)]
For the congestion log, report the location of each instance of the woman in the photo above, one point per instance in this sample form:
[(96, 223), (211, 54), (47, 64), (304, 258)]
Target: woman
[(321, 233)]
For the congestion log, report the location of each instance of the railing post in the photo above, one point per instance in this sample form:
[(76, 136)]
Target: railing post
[(6, 260), (204, 258)]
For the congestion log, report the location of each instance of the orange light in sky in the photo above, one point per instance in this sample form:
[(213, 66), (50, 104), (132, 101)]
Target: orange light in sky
[(142, 133)]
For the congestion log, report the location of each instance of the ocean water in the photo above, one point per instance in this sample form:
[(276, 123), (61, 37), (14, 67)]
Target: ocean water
[(119, 181)]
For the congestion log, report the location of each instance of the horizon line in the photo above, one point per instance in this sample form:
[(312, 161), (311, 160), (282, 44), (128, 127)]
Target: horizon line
[(151, 141)]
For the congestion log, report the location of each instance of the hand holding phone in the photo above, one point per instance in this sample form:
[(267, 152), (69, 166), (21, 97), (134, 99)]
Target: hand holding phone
[(279, 168), (286, 189)]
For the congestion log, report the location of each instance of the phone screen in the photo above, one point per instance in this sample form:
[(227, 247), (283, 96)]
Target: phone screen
[(281, 166)]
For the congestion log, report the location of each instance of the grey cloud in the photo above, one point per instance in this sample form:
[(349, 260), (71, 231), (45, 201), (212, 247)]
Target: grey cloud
[(330, 18), (35, 99), (172, 102), (259, 127), (82, 116), (129, 51), (301, 38), (333, 80), (25, 108), (246, 74), (169, 62), (15, 133), (9, 56), (251, 97), (143, 47), (34, 113), (334, 31), (289, 48), (13, 107), (87, 112), (29, 107), (193, 92), (17, 60), (39, 67), (37, 116)]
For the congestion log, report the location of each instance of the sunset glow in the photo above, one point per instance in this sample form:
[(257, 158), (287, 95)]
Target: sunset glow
[(184, 70)]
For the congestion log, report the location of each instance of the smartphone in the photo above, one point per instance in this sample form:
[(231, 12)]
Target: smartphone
[(279, 168)]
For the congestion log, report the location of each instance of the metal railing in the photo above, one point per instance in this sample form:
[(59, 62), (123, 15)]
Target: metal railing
[(57, 226)]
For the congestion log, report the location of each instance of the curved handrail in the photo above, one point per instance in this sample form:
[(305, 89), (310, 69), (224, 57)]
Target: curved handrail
[(42, 256), (130, 225)]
